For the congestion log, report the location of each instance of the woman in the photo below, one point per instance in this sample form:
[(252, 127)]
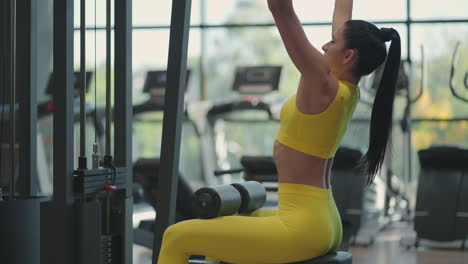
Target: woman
[(307, 223)]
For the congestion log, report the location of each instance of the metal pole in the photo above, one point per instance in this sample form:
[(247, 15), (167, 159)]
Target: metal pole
[(123, 87), (26, 83), (409, 139), (3, 74), (172, 123), (203, 88), (63, 102), (12, 96), (59, 217), (82, 159), (123, 114), (108, 78)]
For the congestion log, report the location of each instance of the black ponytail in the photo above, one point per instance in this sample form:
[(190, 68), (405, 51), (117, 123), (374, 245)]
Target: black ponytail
[(382, 110), (369, 41)]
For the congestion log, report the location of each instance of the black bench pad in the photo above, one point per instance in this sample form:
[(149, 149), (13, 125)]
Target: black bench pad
[(339, 257)]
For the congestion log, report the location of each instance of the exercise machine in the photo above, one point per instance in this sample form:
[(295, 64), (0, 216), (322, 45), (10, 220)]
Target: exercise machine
[(148, 117), (45, 111), (255, 108), (440, 219), (89, 219), (19, 203)]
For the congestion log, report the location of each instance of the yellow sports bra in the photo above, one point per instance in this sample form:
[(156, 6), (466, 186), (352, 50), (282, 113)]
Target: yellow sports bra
[(319, 134)]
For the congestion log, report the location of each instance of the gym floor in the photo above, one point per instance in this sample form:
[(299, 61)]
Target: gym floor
[(385, 250)]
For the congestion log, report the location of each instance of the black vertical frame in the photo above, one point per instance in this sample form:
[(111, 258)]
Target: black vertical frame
[(82, 158), (408, 29), (5, 80), (58, 217), (12, 84), (63, 101), (27, 93), (203, 87), (123, 111), (172, 123), (19, 225), (108, 78), (409, 176)]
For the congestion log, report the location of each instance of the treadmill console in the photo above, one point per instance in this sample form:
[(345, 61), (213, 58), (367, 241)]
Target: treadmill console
[(77, 83), (257, 80), (155, 83)]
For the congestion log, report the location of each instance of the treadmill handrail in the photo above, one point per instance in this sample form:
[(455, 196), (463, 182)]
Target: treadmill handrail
[(225, 108), (452, 75)]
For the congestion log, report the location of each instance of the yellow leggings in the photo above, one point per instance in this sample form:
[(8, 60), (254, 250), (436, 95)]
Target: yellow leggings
[(306, 225)]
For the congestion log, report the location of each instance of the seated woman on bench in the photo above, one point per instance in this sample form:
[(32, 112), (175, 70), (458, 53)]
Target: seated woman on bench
[(313, 121)]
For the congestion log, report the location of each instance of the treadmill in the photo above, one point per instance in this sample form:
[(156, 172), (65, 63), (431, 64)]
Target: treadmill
[(254, 109), (45, 111), (149, 116), (441, 216)]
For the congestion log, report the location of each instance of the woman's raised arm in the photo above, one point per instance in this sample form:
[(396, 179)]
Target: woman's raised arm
[(342, 13), (307, 59)]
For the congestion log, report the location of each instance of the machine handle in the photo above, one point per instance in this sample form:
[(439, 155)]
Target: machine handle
[(222, 172)]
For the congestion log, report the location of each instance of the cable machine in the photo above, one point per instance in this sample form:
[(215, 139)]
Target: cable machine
[(89, 219), (19, 205)]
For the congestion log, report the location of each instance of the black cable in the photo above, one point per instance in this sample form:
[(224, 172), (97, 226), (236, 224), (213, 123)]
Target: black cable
[(82, 159), (108, 78), (13, 97), (3, 81), (95, 77)]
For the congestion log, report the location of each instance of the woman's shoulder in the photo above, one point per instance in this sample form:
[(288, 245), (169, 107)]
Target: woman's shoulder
[(315, 97)]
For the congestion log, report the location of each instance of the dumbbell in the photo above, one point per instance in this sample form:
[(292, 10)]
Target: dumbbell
[(223, 200)]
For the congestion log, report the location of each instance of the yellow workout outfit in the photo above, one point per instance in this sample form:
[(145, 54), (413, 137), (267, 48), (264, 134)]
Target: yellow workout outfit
[(305, 225), (320, 134)]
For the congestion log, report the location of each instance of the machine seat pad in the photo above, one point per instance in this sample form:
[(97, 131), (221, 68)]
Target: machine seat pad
[(338, 257), (444, 157), (259, 164)]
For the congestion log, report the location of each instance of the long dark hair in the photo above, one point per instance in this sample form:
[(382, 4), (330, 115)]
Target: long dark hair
[(369, 41)]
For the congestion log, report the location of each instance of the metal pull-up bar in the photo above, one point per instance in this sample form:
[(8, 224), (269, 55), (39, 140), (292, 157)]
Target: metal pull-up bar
[(173, 112)]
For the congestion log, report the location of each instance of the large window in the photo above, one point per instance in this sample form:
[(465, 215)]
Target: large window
[(439, 41), (230, 33), (436, 9), (256, 11)]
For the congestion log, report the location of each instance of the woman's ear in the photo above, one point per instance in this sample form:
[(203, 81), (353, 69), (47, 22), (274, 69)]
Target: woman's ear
[(350, 56)]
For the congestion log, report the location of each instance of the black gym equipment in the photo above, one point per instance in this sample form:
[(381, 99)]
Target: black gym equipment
[(254, 84), (147, 175), (19, 204), (222, 200), (45, 110), (149, 113), (146, 170), (441, 205), (89, 219), (442, 201)]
